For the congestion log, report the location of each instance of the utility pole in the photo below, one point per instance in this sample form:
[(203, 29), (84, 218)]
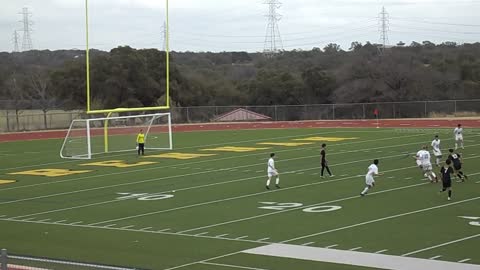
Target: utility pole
[(273, 42), (27, 31), (16, 48), (384, 21)]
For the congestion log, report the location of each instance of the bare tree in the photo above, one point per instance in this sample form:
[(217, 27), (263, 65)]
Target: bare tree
[(41, 96), (17, 94)]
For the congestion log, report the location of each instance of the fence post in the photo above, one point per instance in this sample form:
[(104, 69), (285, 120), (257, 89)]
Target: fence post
[(188, 116), (333, 111), (425, 115), (455, 113), (275, 113), (394, 113), (3, 259), (363, 107)]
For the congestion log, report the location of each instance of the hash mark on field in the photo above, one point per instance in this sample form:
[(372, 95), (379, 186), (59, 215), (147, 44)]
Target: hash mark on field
[(200, 234), (301, 173), (263, 239), (146, 229), (308, 244), (43, 220), (108, 226), (353, 249), (27, 219), (129, 226), (408, 178), (241, 237), (464, 260), (314, 173), (331, 246), (221, 235), (259, 171), (343, 175), (232, 170), (164, 230), (2, 216), (381, 251), (61, 221), (390, 177), (75, 223), (247, 171), (435, 257)]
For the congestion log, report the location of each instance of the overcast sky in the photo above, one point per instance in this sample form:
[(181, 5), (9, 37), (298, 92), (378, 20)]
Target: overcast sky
[(222, 25)]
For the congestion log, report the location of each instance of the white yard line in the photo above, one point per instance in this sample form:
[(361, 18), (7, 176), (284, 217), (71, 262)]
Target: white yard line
[(464, 260), (441, 245), (232, 266), (435, 257), (263, 239), (221, 235), (127, 227), (382, 219), (381, 251), (331, 246), (353, 249), (146, 229), (241, 237), (308, 244), (212, 160), (199, 234)]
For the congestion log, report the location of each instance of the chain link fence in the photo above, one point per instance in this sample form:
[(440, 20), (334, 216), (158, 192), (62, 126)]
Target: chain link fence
[(28, 120), (15, 262)]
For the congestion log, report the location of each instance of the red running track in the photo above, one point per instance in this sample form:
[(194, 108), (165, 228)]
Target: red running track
[(392, 123)]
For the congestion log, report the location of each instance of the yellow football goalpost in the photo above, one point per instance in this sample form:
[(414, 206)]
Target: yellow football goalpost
[(109, 112)]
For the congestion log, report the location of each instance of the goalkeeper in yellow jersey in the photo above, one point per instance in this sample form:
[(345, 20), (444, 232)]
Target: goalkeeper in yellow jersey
[(141, 142)]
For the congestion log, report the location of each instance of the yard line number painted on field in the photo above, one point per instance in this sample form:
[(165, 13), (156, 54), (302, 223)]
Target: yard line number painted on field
[(278, 206), (473, 223), (144, 196)]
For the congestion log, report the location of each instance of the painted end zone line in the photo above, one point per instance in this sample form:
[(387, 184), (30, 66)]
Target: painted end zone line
[(356, 258)]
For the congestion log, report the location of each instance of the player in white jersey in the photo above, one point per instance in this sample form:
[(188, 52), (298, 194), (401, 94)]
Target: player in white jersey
[(272, 171), (437, 152), (458, 132), (423, 162), (369, 181)]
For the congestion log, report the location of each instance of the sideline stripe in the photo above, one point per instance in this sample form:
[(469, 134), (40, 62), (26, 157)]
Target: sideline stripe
[(379, 261)]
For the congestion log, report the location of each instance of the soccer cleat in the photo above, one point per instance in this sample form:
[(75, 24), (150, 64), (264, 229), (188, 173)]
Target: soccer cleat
[(361, 194), (267, 187), (277, 186), (448, 198), (332, 175)]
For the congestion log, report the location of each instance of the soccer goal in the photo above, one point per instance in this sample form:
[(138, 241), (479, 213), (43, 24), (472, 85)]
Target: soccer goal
[(88, 137)]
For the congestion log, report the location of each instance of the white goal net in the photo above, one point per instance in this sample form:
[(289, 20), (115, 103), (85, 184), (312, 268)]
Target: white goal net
[(88, 137)]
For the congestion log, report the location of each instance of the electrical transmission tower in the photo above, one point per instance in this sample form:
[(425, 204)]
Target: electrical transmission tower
[(16, 48), (27, 30), (273, 41), (384, 22)]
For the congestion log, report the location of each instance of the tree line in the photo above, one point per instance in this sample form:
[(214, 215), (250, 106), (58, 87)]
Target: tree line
[(128, 77)]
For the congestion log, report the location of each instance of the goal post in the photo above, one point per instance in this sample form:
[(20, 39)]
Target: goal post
[(88, 137)]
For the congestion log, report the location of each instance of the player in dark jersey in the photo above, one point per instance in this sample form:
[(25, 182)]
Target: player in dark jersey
[(324, 161), (446, 171), (457, 165)]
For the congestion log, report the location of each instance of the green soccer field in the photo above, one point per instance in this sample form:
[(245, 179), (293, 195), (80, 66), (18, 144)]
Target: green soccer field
[(204, 205)]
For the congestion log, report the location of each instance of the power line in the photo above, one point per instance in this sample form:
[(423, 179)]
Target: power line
[(27, 44), (273, 41)]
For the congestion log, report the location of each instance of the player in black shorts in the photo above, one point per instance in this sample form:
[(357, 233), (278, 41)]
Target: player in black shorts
[(446, 171), (324, 161), (457, 165)]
